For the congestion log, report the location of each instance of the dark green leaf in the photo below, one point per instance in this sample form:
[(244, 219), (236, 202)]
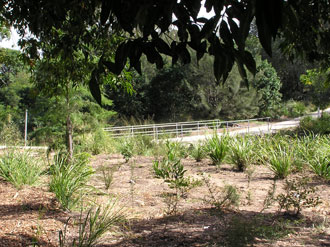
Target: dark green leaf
[(162, 47), (242, 72), (111, 66), (264, 32), (121, 56), (193, 7), (249, 62), (202, 19), (237, 34), (209, 26), (105, 11), (184, 55), (95, 87), (152, 55), (137, 66), (226, 35)]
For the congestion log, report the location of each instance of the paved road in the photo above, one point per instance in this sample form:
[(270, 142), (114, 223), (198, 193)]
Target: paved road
[(267, 128)]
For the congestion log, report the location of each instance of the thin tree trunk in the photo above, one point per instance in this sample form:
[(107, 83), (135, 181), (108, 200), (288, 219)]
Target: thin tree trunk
[(69, 129), (69, 138)]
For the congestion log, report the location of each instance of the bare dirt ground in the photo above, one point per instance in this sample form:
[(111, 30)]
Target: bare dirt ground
[(32, 215)]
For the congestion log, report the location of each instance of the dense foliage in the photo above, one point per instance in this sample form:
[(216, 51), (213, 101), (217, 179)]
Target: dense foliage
[(146, 23), (46, 111), (182, 92)]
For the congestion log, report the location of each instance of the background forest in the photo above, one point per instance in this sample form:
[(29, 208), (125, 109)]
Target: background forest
[(174, 93)]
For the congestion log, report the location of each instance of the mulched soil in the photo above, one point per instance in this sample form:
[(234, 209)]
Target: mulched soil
[(32, 214)]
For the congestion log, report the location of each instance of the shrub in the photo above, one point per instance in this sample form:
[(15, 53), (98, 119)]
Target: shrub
[(294, 109), (317, 126), (69, 179), (176, 149), (143, 144), (100, 142), (217, 148), (126, 149), (10, 134), (172, 172), (20, 168), (241, 152), (221, 198), (298, 194)]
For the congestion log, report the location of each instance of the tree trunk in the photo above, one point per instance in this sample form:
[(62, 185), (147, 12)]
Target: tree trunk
[(69, 129), (69, 139)]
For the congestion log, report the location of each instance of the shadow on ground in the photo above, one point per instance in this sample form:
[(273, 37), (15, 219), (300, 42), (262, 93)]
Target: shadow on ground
[(206, 227)]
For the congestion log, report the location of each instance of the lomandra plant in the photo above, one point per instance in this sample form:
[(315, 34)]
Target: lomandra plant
[(241, 153), (197, 152), (280, 160), (217, 148), (107, 175), (320, 165), (93, 225), (69, 179), (20, 168)]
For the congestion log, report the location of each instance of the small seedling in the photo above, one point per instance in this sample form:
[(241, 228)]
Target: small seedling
[(132, 181), (270, 198), (171, 170), (107, 175), (126, 150)]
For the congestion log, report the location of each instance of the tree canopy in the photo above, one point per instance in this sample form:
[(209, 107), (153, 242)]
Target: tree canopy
[(303, 26)]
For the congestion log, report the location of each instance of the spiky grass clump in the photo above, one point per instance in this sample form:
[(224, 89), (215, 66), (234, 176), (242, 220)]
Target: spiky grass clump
[(241, 152), (217, 148), (20, 168), (69, 179)]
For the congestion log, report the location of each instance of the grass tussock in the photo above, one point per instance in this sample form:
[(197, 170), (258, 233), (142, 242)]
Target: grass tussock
[(20, 168)]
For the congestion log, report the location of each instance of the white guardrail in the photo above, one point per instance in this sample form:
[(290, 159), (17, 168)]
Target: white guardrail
[(181, 129)]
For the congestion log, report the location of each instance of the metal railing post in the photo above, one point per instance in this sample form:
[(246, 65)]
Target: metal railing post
[(198, 128), (176, 130), (268, 120), (248, 126), (154, 130)]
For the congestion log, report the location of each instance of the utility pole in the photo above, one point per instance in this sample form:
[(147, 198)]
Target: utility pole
[(25, 133)]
